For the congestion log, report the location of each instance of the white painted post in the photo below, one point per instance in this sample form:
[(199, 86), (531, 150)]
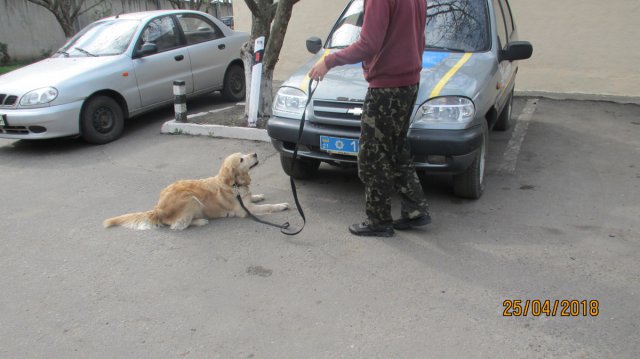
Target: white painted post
[(256, 78), (180, 101)]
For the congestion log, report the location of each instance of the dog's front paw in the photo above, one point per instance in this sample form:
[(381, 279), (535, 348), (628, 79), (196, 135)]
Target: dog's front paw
[(282, 206), (257, 198)]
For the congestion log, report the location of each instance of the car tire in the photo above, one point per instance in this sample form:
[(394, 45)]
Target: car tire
[(504, 121), (234, 84), (470, 183), (101, 120), (300, 168)]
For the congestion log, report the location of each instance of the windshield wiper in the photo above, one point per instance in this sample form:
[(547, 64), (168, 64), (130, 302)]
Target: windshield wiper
[(66, 54), (444, 48), (85, 52)]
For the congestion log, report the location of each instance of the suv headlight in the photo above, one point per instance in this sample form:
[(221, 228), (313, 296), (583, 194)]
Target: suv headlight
[(446, 110), (39, 97), (290, 101)]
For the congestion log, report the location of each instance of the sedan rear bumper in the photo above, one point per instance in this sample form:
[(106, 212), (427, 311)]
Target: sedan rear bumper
[(436, 151), (42, 123)]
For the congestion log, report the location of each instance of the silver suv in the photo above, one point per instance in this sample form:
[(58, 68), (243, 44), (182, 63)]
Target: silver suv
[(466, 90)]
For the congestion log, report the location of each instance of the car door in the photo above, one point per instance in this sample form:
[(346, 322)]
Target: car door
[(506, 69), (207, 49), (155, 72)]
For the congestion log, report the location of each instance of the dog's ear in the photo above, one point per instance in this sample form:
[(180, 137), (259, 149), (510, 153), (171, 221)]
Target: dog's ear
[(242, 178), (228, 170)]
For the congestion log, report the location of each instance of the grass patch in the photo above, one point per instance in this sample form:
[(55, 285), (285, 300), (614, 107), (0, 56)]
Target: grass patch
[(8, 68)]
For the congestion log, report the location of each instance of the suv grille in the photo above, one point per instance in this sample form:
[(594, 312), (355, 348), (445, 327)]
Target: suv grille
[(337, 113)]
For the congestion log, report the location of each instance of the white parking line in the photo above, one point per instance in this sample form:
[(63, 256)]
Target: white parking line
[(221, 109), (517, 137)]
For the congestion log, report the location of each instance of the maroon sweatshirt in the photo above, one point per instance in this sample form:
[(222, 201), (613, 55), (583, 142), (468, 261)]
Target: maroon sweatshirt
[(390, 45)]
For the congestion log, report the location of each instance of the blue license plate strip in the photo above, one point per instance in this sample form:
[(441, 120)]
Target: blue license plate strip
[(339, 145)]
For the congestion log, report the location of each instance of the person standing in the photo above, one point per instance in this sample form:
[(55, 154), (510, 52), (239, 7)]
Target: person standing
[(390, 47)]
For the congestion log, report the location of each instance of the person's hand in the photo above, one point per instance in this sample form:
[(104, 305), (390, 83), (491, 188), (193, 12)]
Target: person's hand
[(318, 71)]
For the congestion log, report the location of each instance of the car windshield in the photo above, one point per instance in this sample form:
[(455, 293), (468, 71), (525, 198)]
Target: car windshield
[(101, 38), (452, 25)]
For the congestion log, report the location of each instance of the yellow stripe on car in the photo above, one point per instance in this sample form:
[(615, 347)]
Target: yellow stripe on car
[(443, 81)]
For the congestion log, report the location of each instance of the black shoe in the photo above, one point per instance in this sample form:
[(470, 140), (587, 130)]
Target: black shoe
[(408, 223), (365, 229)]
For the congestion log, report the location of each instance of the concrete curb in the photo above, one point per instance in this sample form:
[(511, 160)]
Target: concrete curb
[(241, 133), (561, 96)]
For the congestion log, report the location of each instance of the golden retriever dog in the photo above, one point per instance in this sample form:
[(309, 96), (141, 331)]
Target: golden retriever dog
[(193, 202)]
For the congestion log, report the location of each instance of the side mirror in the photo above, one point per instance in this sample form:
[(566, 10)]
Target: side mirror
[(148, 48), (314, 44), (517, 50)]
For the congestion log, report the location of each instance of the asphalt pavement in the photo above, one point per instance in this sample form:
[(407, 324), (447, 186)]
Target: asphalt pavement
[(558, 222)]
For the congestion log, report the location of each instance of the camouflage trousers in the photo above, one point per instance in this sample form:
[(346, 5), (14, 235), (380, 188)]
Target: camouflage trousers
[(384, 159)]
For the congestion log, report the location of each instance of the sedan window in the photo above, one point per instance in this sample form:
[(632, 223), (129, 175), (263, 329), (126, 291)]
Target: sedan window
[(197, 29), (102, 38), (161, 32)]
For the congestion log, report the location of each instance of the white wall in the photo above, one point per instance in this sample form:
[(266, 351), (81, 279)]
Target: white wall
[(29, 29), (24, 33), (581, 46)]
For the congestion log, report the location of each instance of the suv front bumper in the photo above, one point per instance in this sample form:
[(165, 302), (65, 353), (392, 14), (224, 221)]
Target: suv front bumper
[(436, 151)]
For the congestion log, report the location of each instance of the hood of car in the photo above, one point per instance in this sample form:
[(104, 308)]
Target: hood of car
[(50, 72), (443, 74)]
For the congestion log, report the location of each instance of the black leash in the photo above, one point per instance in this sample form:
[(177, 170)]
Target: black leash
[(283, 227), (237, 192)]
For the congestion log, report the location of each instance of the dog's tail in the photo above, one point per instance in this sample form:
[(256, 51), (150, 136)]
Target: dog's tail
[(138, 220)]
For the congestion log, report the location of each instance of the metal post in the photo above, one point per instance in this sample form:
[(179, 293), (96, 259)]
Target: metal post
[(180, 101)]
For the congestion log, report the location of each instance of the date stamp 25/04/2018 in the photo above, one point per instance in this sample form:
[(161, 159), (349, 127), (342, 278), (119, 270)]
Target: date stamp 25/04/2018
[(550, 308)]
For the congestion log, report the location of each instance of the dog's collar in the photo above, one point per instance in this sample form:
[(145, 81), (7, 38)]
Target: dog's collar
[(236, 189)]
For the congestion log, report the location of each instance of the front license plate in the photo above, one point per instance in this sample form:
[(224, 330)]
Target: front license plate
[(343, 146), (3, 120)]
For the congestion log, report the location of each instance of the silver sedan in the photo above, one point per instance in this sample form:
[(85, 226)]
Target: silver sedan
[(117, 68)]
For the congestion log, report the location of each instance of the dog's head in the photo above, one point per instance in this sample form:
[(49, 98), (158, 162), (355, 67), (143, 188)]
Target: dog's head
[(235, 168)]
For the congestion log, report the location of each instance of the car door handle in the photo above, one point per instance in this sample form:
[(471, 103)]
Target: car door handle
[(222, 46), (179, 57)]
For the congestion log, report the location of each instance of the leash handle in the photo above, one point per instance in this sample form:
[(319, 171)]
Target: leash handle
[(294, 190)]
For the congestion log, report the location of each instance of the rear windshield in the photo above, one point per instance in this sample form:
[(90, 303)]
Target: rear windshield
[(458, 25)]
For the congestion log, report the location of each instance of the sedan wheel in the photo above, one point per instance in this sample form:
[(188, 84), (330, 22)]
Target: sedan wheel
[(234, 84), (101, 120)]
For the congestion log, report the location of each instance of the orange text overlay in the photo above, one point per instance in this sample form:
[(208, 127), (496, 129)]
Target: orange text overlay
[(550, 308)]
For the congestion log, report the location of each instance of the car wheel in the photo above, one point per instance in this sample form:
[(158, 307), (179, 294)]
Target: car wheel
[(300, 168), (101, 120), (470, 183), (234, 84), (504, 120)]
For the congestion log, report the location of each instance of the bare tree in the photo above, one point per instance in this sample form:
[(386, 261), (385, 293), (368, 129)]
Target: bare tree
[(270, 19), (200, 5), (67, 12)]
